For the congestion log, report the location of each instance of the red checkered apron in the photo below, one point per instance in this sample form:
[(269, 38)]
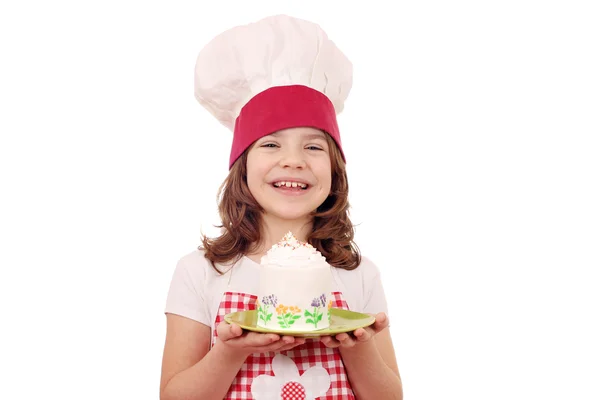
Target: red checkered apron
[(312, 353)]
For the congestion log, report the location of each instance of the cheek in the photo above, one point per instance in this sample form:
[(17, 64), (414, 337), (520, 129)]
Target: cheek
[(254, 181), (255, 173), (325, 179), (251, 182), (327, 185)]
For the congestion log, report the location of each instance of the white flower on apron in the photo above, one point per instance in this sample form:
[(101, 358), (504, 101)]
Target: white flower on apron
[(288, 384)]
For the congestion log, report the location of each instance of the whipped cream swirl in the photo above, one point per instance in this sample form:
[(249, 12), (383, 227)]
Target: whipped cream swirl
[(290, 252)]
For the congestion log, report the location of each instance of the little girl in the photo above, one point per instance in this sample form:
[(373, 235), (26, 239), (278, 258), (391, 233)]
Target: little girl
[(278, 84)]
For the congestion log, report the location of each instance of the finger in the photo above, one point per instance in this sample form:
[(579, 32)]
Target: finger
[(277, 346), (254, 339), (363, 335), (291, 341), (345, 340), (342, 336), (288, 339), (330, 341), (290, 346)]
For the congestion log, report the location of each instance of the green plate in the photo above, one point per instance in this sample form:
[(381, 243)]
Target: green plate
[(341, 321)]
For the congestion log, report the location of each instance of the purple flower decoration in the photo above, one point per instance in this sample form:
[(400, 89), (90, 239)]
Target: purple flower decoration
[(316, 302), (323, 300), (270, 300)]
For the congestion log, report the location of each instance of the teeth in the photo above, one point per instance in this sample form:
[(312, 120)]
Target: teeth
[(291, 184)]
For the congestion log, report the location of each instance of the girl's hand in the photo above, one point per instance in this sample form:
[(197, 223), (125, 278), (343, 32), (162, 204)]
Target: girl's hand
[(361, 335), (238, 341)]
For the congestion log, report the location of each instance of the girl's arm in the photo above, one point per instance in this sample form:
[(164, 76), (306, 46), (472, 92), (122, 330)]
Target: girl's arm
[(372, 368), (370, 361), (191, 371)]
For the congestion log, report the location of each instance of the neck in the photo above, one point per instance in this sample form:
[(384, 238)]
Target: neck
[(273, 229)]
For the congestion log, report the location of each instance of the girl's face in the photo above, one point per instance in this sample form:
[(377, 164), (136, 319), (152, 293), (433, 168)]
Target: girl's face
[(289, 172)]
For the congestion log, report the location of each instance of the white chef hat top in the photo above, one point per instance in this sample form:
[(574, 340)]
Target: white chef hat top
[(280, 72)]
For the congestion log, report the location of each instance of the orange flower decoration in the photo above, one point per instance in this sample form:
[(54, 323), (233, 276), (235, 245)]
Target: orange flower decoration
[(330, 304), (281, 309)]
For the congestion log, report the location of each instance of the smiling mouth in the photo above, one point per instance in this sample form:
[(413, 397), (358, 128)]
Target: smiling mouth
[(290, 185)]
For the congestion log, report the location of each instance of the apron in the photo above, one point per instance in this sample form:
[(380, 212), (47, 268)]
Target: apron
[(306, 372)]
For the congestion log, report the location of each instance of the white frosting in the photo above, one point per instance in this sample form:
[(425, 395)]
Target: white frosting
[(290, 252), (295, 287)]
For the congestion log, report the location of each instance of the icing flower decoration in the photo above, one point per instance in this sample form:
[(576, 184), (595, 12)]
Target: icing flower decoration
[(263, 309), (286, 315), (287, 384), (316, 315)]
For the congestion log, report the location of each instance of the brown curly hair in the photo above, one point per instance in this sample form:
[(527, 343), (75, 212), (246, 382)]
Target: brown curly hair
[(332, 233)]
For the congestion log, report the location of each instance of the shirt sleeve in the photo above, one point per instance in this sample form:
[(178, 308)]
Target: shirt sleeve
[(373, 293), (186, 292)]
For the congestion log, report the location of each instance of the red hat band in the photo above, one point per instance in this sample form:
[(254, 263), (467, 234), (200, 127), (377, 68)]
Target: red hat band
[(283, 107)]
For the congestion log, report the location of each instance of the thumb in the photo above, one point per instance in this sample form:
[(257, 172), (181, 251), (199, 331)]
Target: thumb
[(227, 331), (381, 321)]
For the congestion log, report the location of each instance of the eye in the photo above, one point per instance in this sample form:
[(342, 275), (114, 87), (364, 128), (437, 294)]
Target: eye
[(314, 147), (271, 145)]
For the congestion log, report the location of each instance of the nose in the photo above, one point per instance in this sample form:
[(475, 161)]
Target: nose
[(292, 158)]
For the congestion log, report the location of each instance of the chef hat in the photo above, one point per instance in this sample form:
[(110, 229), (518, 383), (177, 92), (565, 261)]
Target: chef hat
[(277, 73)]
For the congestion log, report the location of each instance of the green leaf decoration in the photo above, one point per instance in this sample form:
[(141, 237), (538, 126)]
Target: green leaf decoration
[(307, 314), (286, 316), (295, 317), (269, 317), (310, 321), (319, 317), (291, 322), (279, 317)]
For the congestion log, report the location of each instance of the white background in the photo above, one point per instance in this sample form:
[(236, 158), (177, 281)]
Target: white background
[(471, 137)]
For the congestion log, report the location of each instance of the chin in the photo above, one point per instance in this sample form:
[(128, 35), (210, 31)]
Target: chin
[(290, 214)]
